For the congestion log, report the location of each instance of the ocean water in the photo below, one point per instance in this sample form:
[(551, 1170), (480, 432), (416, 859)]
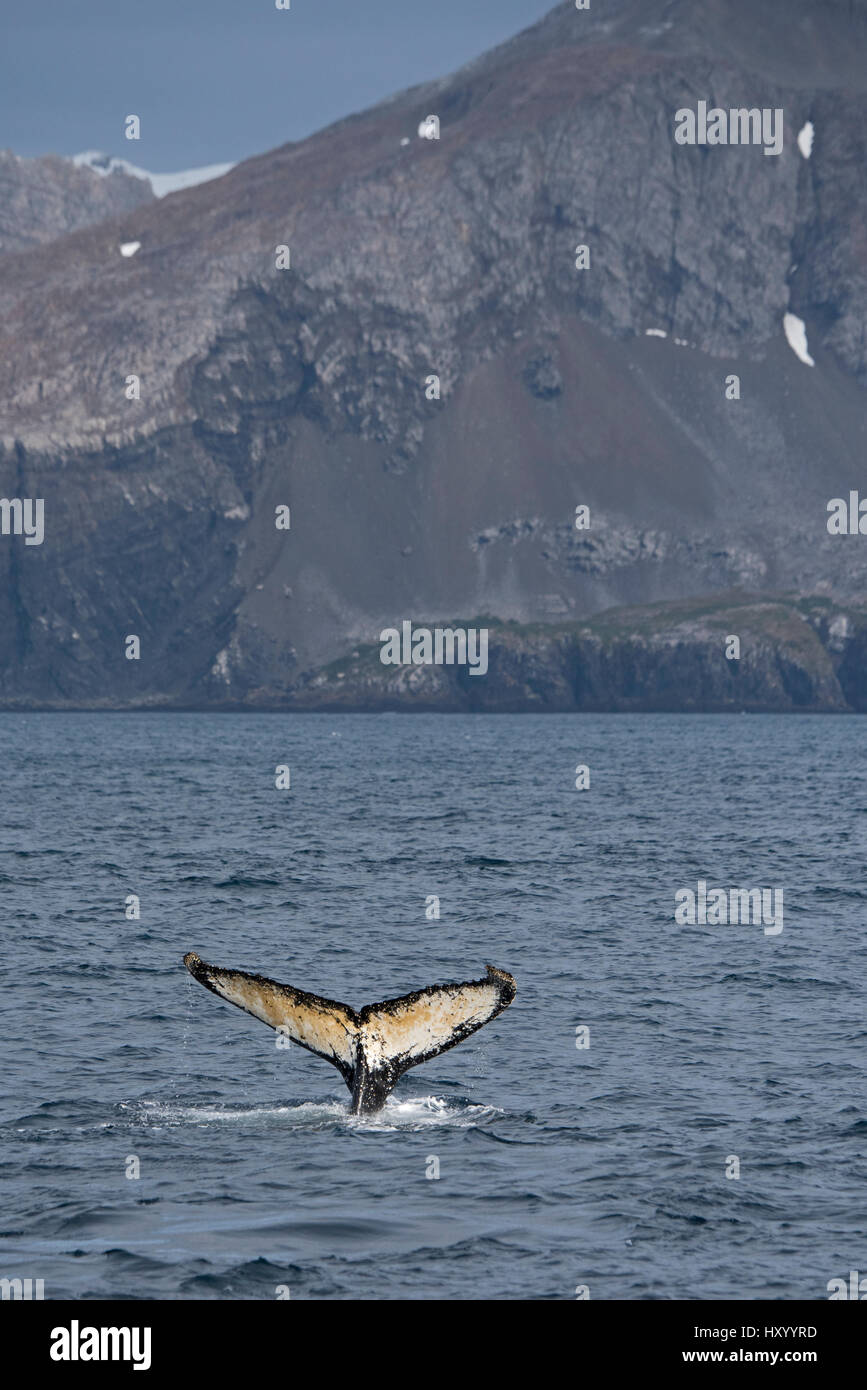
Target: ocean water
[(560, 1166)]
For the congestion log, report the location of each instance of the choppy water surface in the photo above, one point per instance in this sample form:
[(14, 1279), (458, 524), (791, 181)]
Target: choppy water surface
[(559, 1167)]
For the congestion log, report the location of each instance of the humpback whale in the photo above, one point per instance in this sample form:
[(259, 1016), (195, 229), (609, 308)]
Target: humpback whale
[(373, 1048)]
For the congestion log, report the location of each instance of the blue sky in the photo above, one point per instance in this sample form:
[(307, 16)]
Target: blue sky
[(217, 80)]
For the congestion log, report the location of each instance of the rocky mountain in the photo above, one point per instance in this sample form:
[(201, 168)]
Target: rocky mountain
[(45, 198), (309, 387)]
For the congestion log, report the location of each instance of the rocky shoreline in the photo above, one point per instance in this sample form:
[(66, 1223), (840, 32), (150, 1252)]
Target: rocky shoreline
[(798, 655)]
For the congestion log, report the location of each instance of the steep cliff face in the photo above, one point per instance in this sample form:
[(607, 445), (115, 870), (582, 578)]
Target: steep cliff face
[(410, 257), (45, 198), (794, 655)]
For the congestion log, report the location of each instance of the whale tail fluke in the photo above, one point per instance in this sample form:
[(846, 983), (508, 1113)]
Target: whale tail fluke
[(321, 1025), (373, 1048)]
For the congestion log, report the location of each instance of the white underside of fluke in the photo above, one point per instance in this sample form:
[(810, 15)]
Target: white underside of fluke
[(387, 1038)]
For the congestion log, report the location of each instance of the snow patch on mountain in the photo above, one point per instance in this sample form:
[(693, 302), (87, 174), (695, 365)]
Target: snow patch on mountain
[(796, 337), (161, 184)]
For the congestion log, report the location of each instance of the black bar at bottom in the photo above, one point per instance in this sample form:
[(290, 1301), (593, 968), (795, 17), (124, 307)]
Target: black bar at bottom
[(252, 1338)]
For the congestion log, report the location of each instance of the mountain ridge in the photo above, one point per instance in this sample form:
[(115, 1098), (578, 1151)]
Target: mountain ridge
[(455, 256)]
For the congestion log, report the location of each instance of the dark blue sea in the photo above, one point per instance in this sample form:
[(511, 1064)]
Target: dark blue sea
[(561, 1167)]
